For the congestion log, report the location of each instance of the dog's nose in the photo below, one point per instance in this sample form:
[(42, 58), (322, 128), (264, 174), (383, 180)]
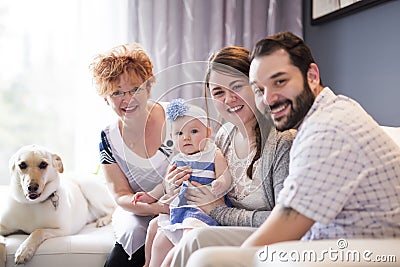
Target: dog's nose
[(33, 187)]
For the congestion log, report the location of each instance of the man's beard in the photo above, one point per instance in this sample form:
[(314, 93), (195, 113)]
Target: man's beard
[(303, 102)]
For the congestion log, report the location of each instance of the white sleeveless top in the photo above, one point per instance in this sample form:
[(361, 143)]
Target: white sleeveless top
[(143, 174)]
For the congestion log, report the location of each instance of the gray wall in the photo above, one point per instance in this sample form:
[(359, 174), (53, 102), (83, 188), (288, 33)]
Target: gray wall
[(359, 56)]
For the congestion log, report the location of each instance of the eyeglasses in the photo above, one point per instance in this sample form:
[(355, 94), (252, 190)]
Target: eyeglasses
[(132, 92)]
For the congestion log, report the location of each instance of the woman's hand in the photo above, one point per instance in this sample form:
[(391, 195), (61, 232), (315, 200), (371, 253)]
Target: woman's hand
[(201, 196), (167, 198), (162, 208), (175, 177)]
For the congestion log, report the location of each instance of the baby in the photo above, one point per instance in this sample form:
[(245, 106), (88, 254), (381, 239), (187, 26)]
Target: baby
[(191, 135)]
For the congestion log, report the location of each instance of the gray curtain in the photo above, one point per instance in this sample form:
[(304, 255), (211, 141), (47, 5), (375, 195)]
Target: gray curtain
[(179, 35)]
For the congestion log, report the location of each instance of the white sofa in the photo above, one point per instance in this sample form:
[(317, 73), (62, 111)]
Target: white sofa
[(91, 246), (88, 248)]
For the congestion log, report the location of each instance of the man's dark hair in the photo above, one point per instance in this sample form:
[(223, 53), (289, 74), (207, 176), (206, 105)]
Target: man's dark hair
[(299, 53)]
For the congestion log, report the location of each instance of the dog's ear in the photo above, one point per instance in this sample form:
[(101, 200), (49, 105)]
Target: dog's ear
[(11, 162), (57, 163)]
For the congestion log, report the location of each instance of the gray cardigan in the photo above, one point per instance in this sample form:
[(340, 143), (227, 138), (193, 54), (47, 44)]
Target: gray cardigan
[(275, 168)]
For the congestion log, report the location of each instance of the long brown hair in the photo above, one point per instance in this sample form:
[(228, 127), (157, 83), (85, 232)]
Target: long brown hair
[(234, 61)]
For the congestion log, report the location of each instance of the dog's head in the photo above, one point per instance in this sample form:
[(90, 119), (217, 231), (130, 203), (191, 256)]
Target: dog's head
[(34, 173)]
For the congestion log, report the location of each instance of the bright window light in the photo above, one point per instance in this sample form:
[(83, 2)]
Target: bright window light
[(46, 91)]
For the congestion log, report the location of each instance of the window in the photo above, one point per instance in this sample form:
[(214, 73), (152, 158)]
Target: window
[(46, 91)]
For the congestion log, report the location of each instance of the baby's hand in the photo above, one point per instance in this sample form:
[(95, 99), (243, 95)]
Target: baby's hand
[(218, 187), (143, 197)]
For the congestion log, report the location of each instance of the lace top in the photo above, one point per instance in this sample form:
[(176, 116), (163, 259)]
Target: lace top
[(246, 193), (272, 170)]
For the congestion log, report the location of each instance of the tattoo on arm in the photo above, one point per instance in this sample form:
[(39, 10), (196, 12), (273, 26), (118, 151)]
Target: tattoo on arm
[(289, 212)]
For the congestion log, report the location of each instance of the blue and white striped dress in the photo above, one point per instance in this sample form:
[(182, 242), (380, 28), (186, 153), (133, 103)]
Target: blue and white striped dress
[(182, 215)]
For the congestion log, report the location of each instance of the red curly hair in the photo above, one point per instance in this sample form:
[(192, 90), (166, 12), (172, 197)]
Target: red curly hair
[(121, 60)]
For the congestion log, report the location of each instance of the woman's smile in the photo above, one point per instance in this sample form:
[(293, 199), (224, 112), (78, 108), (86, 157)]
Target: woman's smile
[(130, 109), (235, 109)]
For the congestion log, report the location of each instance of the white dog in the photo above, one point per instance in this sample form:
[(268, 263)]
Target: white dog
[(44, 205)]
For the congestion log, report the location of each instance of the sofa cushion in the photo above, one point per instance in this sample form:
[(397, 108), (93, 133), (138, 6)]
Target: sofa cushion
[(89, 247)]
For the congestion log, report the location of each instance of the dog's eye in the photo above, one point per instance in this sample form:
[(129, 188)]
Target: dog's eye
[(23, 166), (43, 165)]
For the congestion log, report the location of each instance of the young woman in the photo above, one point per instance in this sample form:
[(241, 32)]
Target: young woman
[(134, 150), (257, 155)]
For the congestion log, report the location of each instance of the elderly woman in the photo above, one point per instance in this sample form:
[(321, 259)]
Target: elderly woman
[(134, 150)]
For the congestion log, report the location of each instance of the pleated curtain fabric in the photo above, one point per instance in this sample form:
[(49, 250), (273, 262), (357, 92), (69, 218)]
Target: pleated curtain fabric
[(176, 32)]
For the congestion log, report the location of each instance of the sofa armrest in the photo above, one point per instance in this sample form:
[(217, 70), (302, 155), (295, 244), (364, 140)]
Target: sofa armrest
[(393, 132), (2, 251), (3, 254)]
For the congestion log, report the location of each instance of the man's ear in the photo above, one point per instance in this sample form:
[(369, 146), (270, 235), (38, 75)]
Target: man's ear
[(313, 78), (57, 163)]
